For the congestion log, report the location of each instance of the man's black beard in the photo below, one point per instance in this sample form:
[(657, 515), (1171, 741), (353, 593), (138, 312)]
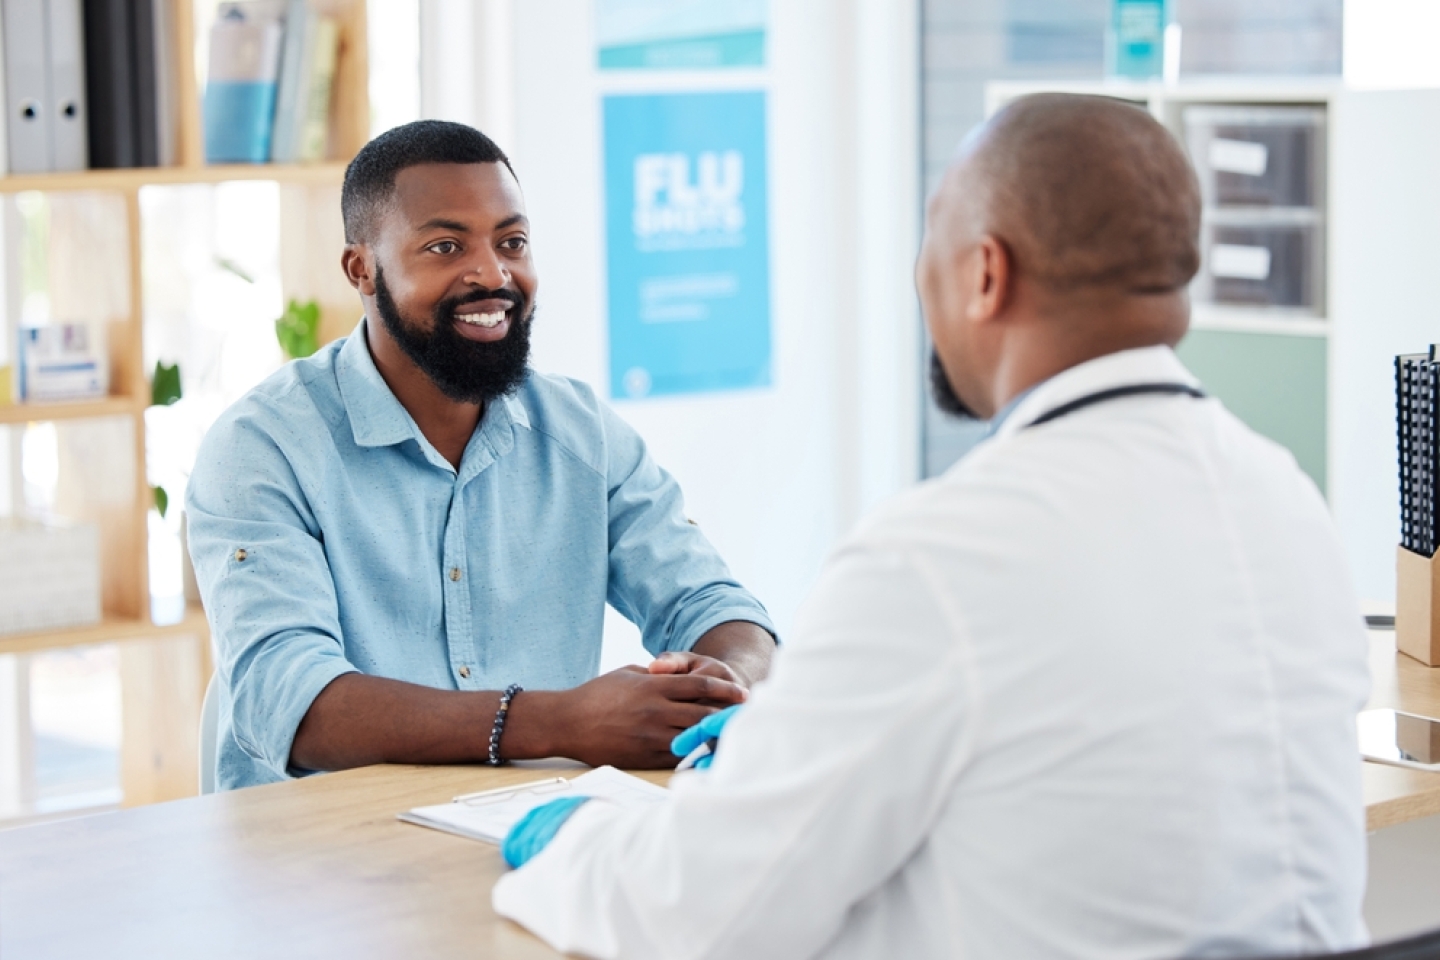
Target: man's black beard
[(945, 396), (464, 370)]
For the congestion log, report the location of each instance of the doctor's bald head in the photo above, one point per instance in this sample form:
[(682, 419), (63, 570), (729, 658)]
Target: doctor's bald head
[(1066, 228), (1086, 191)]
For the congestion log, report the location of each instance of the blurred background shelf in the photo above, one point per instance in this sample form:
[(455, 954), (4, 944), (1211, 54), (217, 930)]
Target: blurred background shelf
[(112, 629), (187, 264), (70, 410), (135, 178)]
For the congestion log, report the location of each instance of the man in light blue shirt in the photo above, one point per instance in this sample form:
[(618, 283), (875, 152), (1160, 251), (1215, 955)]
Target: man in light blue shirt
[(393, 531)]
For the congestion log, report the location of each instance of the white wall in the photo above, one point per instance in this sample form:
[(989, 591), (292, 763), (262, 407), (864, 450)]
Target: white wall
[(1385, 253), (773, 476), (1392, 43)]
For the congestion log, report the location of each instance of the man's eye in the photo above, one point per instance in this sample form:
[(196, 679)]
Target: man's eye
[(445, 247), (514, 243)]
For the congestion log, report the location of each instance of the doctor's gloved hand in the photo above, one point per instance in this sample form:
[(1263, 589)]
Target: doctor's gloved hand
[(706, 732), (536, 829)]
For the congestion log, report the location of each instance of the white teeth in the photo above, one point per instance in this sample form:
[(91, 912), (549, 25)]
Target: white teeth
[(483, 319)]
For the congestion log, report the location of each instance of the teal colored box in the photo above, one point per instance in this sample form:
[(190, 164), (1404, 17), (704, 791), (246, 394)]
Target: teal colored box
[(1137, 38), (238, 120)]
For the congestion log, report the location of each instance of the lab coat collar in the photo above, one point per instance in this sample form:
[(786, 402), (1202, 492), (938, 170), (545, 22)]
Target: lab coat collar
[(1145, 365)]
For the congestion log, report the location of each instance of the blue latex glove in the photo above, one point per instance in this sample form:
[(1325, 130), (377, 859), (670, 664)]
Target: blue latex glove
[(536, 829), (706, 731)]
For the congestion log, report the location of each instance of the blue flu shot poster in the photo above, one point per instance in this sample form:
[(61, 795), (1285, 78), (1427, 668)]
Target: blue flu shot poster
[(687, 243)]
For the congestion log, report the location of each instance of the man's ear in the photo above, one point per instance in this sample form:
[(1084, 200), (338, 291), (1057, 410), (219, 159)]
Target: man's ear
[(359, 265), (991, 277)]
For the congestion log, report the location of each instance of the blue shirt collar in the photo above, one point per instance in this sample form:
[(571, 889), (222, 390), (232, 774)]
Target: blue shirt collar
[(997, 421), (378, 419)]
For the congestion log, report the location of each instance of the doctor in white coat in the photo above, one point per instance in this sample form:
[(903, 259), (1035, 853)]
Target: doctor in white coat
[(1090, 694)]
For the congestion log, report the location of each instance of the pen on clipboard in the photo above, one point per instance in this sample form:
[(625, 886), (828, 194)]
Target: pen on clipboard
[(695, 756)]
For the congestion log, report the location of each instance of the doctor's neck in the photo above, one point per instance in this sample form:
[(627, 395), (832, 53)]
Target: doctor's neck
[(1051, 331)]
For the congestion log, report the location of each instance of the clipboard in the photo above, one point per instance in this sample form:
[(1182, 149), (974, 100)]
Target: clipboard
[(489, 814)]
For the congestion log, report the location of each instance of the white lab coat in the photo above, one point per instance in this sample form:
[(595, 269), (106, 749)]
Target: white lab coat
[(1091, 694)]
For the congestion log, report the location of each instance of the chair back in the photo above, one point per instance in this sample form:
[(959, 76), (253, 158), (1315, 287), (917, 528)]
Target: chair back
[(209, 723)]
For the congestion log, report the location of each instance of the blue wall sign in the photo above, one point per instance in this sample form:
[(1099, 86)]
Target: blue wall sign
[(688, 243), (680, 34)]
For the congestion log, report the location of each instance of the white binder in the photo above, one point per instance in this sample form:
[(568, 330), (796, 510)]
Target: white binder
[(27, 105), (69, 141)]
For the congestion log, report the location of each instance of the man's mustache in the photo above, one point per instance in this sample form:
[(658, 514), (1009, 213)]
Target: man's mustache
[(482, 294)]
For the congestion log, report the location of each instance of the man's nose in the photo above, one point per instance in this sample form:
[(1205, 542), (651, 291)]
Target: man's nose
[(486, 270)]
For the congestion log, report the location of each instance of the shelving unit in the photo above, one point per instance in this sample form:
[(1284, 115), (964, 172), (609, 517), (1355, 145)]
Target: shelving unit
[(165, 667), (1270, 365), (317, 174), (121, 406)]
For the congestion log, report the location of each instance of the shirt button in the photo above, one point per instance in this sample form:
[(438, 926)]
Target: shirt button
[(454, 572), (465, 673), (240, 556)]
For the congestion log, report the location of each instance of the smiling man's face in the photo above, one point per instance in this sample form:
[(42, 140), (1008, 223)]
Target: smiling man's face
[(453, 282)]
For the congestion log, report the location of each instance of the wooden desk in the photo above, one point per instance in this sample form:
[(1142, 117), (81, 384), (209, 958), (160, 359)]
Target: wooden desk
[(321, 867), (1394, 795), (314, 868)]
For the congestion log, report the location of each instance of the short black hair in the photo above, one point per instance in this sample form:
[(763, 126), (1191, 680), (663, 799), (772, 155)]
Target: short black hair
[(370, 177)]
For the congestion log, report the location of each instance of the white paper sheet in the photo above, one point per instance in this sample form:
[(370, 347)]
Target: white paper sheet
[(490, 817)]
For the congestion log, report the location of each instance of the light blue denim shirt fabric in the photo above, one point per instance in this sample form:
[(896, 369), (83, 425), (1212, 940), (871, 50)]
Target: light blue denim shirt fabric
[(999, 419), (329, 536)]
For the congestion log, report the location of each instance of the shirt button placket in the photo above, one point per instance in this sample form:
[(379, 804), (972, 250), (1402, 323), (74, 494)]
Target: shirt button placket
[(457, 597), (454, 575)]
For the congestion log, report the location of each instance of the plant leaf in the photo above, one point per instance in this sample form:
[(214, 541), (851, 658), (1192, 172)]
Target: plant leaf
[(231, 266), (165, 384), (298, 329), (162, 499)]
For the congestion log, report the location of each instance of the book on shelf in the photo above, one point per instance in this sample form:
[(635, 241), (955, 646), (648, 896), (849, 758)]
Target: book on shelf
[(307, 76), (245, 45), (63, 361), (324, 60), (110, 81)]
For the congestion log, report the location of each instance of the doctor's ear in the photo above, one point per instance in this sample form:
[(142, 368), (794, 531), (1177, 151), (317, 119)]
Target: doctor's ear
[(989, 274), (359, 265)]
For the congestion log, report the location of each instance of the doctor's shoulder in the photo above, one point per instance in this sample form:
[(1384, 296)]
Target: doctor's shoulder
[(962, 505)]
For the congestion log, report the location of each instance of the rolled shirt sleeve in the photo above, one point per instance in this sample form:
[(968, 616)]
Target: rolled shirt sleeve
[(269, 595), (664, 574)]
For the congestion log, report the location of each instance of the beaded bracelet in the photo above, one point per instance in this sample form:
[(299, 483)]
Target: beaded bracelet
[(494, 758)]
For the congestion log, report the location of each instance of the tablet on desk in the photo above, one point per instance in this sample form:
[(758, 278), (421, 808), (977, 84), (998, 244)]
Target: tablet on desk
[(1404, 739)]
